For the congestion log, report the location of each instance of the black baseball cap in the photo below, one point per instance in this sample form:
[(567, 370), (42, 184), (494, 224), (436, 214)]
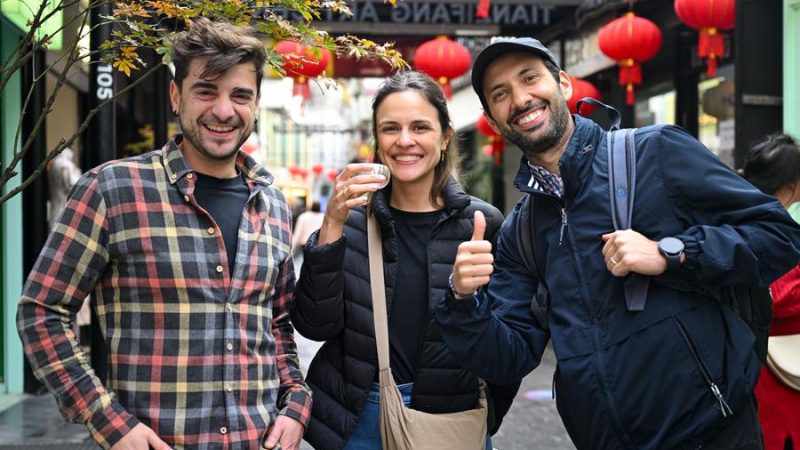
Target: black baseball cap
[(499, 48)]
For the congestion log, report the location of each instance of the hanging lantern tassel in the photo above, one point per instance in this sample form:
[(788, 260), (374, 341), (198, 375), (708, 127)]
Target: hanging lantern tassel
[(630, 75), (447, 89), (711, 45), (498, 145), (301, 88)]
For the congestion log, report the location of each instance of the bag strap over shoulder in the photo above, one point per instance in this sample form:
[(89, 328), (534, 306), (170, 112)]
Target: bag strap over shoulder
[(526, 228), (379, 315), (621, 192)]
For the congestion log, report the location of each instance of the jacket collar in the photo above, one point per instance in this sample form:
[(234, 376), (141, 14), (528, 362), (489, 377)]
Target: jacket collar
[(575, 163), (455, 199), (177, 167)]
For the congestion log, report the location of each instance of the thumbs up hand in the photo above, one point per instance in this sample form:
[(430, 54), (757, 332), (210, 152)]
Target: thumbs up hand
[(473, 264)]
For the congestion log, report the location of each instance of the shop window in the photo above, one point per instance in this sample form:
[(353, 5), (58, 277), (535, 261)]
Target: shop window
[(716, 113)]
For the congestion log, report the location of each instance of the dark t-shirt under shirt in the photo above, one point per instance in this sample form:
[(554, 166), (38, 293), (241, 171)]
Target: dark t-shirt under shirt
[(224, 199), (409, 314)]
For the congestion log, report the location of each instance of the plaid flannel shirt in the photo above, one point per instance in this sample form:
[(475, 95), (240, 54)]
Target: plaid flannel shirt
[(204, 357)]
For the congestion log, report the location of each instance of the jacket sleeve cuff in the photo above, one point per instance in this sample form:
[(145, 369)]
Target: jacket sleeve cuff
[(108, 426), (298, 406), (691, 265), (325, 257), (465, 305)]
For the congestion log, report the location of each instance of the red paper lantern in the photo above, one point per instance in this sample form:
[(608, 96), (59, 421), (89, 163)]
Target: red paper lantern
[(496, 143), (301, 63), (710, 17), (629, 40), (483, 126), (332, 174), (317, 169), (442, 59), (580, 89)]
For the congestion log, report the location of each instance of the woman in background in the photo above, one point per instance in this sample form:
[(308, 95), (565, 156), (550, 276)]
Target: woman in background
[(423, 214), (773, 166)]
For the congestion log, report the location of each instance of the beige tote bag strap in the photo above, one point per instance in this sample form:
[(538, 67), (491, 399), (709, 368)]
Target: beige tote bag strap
[(378, 292)]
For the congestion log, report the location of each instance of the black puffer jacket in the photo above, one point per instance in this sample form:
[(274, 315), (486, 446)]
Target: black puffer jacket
[(333, 303)]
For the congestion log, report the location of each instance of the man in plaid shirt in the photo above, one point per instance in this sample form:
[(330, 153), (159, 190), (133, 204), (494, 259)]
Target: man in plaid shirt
[(186, 251)]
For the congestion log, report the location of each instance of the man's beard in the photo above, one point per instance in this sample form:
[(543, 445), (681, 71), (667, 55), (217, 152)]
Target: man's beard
[(193, 135), (551, 135)]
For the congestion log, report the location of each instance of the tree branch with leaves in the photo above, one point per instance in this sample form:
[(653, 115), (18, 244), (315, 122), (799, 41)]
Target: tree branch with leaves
[(149, 24)]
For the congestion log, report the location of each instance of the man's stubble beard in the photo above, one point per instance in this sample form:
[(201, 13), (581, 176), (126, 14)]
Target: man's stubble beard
[(192, 134), (552, 134)]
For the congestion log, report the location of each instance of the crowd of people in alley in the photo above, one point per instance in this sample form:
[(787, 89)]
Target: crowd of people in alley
[(640, 258)]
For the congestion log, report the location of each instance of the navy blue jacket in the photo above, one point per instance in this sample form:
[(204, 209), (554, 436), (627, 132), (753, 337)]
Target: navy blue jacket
[(631, 380)]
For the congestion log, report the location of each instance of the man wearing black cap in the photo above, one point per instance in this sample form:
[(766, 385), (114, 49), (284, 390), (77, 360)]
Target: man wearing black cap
[(678, 373)]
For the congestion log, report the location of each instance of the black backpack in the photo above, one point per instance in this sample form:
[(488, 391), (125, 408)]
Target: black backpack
[(752, 303)]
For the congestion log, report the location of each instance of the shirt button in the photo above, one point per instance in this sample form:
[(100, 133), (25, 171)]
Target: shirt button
[(186, 198), (223, 430), (220, 269), (173, 177), (228, 306), (190, 176), (210, 230), (229, 346), (229, 388)]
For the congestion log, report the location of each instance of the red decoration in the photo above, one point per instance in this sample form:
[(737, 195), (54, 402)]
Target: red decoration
[(442, 59), (302, 62), (580, 89), (496, 143), (483, 126), (630, 40), (317, 169), (482, 11), (710, 17), (332, 174)]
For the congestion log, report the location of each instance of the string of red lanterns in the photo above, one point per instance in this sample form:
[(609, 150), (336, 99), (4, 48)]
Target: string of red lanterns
[(710, 17)]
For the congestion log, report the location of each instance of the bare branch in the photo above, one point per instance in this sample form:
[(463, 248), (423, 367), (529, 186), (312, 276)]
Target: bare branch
[(63, 143)]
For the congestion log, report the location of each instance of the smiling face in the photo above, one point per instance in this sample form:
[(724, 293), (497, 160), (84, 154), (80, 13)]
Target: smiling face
[(410, 137), (216, 116), (527, 105)]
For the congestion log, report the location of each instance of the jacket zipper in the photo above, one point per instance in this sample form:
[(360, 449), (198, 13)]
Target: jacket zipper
[(723, 406)]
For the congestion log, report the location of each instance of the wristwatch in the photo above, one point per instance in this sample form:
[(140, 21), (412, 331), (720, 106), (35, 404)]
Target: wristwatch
[(671, 249)]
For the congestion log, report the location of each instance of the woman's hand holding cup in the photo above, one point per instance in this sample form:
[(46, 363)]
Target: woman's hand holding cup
[(348, 192)]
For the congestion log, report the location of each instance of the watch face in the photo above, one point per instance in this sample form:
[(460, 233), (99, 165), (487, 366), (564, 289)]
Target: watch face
[(670, 246)]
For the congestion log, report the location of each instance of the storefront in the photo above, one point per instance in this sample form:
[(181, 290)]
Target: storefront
[(10, 225)]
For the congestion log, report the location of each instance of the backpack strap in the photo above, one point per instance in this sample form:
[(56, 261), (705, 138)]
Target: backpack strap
[(621, 192), (540, 302)]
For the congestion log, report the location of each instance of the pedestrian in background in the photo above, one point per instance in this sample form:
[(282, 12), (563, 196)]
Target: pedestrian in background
[(422, 214), (307, 222), (186, 250), (678, 374), (773, 166)]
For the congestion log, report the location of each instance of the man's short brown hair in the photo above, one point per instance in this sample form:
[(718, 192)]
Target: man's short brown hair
[(222, 44)]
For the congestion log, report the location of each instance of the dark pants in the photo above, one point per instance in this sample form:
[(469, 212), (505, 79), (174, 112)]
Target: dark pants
[(742, 432)]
